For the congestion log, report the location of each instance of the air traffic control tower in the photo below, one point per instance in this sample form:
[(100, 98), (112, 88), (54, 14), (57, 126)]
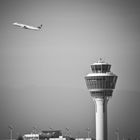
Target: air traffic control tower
[(101, 83)]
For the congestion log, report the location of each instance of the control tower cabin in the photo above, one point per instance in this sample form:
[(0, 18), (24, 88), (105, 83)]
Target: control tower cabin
[(101, 83)]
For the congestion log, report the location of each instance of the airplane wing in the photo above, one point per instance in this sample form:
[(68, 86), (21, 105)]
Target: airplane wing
[(25, 27)]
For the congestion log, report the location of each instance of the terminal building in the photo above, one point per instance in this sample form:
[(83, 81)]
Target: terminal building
[(47, 135)]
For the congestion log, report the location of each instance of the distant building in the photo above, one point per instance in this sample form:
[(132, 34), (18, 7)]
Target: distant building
[(50, 134), (69, 138), (83, 139), (31, 136), (45, 135)]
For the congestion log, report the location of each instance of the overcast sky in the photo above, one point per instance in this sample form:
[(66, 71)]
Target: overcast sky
[(42, 72)]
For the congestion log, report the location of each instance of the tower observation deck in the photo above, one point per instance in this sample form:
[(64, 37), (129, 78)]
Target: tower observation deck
[(101, 83)]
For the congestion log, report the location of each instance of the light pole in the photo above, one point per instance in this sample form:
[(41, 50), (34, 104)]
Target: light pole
[(117, 134), (11, 131), (68, 130), (88, 132)]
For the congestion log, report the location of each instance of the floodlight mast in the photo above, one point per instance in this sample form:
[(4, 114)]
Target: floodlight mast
[(101, 84), (11, 131)]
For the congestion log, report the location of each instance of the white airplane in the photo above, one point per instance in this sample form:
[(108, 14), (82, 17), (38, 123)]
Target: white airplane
[(27, 26)]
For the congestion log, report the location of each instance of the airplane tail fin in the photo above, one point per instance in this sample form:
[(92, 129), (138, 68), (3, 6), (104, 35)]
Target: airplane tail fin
[(40, 26)]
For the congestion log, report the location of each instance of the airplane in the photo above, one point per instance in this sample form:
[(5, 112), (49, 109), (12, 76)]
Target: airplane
[(27, 26)]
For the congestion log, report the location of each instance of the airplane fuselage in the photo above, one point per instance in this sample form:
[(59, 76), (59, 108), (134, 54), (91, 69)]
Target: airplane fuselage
[(27, 26)]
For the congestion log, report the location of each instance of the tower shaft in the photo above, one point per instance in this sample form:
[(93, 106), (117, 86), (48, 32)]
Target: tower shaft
[(101, 118)]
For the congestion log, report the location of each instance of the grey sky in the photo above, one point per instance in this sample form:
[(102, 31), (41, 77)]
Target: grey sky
[(42, 73)]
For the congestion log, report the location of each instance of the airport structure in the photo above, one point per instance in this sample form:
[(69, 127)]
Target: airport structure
[(47, 135), (101, 83)]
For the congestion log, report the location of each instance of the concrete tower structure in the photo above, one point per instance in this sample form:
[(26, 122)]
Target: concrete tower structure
[(100, 84)]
